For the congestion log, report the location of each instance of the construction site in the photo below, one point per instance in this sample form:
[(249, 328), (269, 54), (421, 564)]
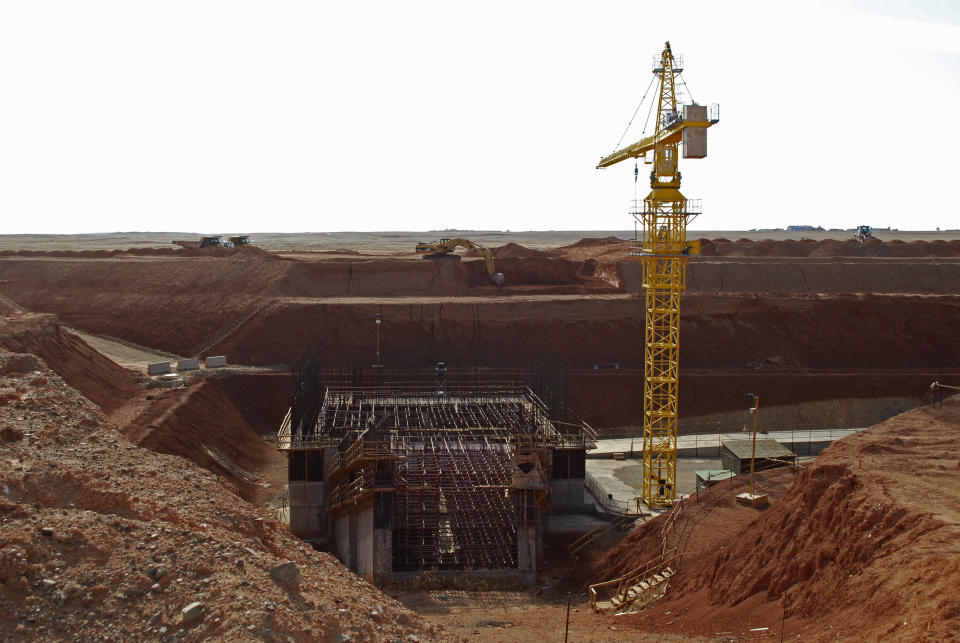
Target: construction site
[(327, 437), (449, 476)]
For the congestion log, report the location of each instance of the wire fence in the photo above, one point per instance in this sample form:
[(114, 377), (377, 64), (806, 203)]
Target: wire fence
[(802, 441), (606, 500)]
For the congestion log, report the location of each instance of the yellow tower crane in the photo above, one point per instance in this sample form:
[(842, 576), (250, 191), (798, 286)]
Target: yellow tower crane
[(664, 215)]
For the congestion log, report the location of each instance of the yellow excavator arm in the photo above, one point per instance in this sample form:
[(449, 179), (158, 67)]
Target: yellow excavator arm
[(446, 248)]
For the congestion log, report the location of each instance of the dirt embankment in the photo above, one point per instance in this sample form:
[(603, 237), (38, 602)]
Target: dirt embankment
[(261, 398), (613, 249), (99, 379), (714, 401), (828, 248), (102, 539), (201, 424), (180, 303), (717, 332), (828, 266), (169, 304), (863, 544)]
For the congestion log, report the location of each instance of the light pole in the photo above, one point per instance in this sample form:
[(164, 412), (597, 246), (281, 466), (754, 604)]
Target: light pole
[(753, 449), (379, 364), (751, 498)]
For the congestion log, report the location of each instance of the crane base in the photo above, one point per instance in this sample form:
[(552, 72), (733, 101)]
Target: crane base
[(753, 499)]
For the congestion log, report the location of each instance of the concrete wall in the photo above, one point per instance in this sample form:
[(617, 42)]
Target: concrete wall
[(190, 364), (364, 543), (343, 538), (567, 496), (382, 554), (527, 549), (382, 536), (308, 514), (158, 368)]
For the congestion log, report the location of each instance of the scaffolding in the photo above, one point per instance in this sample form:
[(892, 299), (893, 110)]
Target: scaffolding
[(465, 458), (453, 509)]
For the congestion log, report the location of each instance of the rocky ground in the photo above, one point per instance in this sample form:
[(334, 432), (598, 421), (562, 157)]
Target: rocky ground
[(104, 540)]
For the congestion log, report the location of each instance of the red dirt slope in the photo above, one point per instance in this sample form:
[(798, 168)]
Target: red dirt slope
[(865, 544), (98, 378), (190, 421), (104, 540)]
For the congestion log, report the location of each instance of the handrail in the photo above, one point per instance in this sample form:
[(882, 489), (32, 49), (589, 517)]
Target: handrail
[(634, 577), (585, 539)]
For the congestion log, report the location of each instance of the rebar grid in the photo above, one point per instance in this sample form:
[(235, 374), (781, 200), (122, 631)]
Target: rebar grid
[(453, 508)]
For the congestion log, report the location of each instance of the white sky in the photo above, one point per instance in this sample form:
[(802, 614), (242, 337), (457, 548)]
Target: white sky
[(240, 116)]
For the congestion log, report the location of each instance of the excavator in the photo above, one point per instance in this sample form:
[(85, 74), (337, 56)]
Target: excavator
[(864, 233), (445, 249)]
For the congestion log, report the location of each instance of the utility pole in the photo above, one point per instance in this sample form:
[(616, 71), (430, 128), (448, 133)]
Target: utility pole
[(379, 364), (751, 498), (753, 447)]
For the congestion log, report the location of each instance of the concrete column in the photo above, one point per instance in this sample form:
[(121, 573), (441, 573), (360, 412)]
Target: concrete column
[(382, 536), (341, 537), (364, 543), (351, 555), (527, 549)]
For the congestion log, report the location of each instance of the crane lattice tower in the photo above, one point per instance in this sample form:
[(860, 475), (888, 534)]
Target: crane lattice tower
[(664, 215)]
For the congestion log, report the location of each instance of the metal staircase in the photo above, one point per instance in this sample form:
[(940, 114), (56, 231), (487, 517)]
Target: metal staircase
[(636, 588)]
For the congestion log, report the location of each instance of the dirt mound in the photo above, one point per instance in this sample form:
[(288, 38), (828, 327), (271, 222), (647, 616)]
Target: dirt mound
[(98, 378), (875, 516), (105, 540), (864, 544), (200, 424), (592, 242), (516, 251)]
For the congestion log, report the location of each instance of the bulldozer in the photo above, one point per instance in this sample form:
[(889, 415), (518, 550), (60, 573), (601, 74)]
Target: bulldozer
[(445, 249)]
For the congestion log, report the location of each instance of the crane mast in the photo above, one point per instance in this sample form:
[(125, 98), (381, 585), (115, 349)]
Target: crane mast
[(664, 215)]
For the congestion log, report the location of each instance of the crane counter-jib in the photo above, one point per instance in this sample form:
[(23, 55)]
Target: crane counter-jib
[(641, 147)]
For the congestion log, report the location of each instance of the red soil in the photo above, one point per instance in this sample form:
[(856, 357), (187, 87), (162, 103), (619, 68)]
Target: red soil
[(101, 539), (864, 544), (262, 399), (740, 312), (516, 251), (187, 422), (103, 382)]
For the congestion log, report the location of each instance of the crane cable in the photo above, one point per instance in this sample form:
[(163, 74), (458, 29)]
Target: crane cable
[(617, 146), (689, 93)]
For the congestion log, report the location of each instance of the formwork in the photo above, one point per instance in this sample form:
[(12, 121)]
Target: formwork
[(450, 474)]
